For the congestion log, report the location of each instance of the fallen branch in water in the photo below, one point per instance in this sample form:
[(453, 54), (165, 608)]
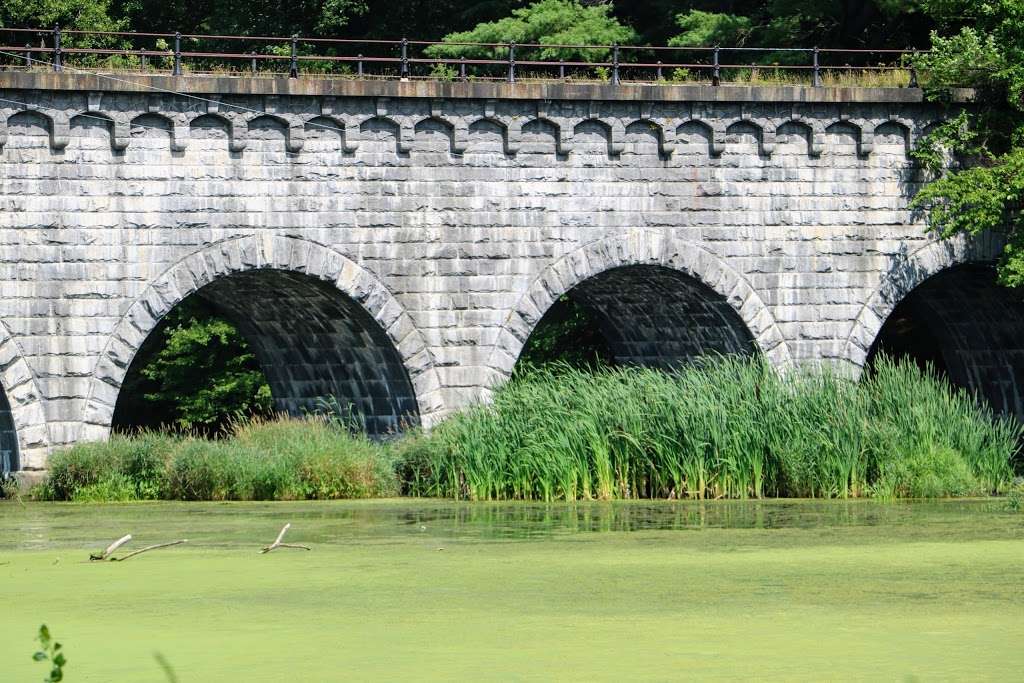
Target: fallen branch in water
[(147, 548), (278, 544), (111, 548)]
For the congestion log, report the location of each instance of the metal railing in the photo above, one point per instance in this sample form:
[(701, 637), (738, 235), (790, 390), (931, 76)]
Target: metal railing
[(295, 56)]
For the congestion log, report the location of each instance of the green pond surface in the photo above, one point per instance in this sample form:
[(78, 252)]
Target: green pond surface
[(422, 589)]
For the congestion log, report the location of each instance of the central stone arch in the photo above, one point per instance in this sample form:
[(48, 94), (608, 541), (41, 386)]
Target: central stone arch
[(318, 322), (679, 267)]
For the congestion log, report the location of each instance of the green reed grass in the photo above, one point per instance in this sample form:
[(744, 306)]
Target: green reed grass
[(281, 459), (723, 428)]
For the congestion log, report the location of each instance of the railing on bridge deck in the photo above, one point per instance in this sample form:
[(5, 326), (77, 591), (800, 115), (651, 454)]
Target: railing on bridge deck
[(182, 54)]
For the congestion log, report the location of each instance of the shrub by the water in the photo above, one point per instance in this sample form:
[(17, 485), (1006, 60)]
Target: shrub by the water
[(721, 428), (283, 459)]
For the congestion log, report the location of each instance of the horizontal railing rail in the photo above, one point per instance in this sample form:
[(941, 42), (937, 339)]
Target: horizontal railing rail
[(181, 54)]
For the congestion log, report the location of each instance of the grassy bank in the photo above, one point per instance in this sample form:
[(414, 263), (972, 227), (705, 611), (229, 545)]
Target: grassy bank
[(726, 428)]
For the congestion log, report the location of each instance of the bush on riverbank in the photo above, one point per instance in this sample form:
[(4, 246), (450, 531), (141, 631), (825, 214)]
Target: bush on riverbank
[(721, 428), (284, 459)]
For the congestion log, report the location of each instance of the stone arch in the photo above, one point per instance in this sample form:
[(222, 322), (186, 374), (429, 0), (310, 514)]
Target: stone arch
[(482, 125), (20, 392), (55, 125), (116, 128), (381, 126), (611, 132), (290, 259), (292, 131), (704, 130), (903, 276), (638, 248), (431, 125)]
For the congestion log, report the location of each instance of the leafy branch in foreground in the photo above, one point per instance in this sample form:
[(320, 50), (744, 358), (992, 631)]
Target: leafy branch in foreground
[(50, 651)]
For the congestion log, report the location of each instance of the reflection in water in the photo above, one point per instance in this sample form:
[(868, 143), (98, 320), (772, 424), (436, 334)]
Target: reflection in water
[(43, 525)]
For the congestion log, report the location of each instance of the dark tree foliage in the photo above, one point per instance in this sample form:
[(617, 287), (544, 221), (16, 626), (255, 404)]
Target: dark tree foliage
[(194, 372), (570, 333)]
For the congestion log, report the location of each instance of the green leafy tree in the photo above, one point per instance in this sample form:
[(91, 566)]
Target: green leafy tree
[(546, 22), (797, 23), (84, 15), (977, 158), (195, 372)]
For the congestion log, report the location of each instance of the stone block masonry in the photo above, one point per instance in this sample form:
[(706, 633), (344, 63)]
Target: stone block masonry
[(394, 244)]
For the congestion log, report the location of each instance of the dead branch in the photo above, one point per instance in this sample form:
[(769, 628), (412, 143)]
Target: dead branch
[(278, 544), (111, 548), (147, 548)]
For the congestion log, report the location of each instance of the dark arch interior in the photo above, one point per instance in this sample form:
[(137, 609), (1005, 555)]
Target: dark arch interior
[(966, 326), (639, 315), (313, 344), (8, 438)]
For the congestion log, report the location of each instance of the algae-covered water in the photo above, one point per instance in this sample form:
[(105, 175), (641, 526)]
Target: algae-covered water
[(432, 589)]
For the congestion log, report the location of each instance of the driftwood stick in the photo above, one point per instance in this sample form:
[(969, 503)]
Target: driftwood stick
[(278, 544), (111, 548), (148, 547)]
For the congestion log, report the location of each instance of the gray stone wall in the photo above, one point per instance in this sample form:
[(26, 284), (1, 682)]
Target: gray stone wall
[(451, 223)]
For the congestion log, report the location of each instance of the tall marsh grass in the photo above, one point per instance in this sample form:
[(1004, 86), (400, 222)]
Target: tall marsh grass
[(724, 428), (721, 428)]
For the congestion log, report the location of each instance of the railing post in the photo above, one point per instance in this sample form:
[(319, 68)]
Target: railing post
[(404, 68), (615, 64), (817, 69), (512, 62), (561, 70), (462, 68), (913, 71), (359, 65), (253, 53), (660, 77), (176, 70), (28, 55), (57, 65), (293, 68), (716, 75)]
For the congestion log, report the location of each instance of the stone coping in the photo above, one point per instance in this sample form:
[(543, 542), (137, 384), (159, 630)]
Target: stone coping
[(524, 90)]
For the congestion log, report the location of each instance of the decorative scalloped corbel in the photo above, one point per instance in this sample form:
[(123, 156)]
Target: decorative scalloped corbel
[(460, 136), (564, 136), (121, 135), (60, 130), (514, 134), (179, 133), (617, 142), (406, 134), (668, 137), (4, 113), (716, 144), (490, 109), (238, 134), (351, 138)]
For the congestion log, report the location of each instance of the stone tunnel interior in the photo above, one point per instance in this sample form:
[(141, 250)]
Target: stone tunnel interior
[(318, 349), (967, 327), (8, 438), (638, 315)]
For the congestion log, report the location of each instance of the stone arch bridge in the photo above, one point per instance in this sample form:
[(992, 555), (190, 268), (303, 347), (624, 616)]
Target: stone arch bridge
[(395, 244)]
